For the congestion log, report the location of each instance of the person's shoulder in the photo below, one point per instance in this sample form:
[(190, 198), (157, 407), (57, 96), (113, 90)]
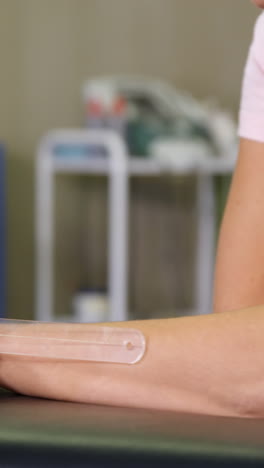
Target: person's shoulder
[(258, 40)]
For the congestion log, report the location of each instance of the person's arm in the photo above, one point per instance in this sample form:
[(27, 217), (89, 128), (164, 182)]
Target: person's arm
[(210, 364), (239, 274)]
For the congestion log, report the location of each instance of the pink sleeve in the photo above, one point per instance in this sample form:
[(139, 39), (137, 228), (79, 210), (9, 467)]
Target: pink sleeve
[(251, 116)]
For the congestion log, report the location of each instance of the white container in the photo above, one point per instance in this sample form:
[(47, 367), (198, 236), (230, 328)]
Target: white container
[(105, 106), (91, 306)]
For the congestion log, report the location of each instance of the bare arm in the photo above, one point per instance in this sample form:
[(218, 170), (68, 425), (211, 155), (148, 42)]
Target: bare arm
[(209, 364), (239, 280)]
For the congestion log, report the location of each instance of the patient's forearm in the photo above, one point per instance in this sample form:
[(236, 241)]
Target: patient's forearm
[(209, 364)]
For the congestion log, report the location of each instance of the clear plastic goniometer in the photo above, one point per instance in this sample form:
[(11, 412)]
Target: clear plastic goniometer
[(72, 341)]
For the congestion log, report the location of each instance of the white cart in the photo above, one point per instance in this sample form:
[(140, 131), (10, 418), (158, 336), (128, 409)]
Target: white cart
[(118, 167)]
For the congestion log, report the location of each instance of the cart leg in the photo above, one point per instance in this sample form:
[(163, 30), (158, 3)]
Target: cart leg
[(44, 237), (118, 237), (205, 243)]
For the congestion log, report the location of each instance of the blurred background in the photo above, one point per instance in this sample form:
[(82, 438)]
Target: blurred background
[(48, 50)]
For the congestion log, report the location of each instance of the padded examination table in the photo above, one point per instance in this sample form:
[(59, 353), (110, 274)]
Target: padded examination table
[(41, 433)]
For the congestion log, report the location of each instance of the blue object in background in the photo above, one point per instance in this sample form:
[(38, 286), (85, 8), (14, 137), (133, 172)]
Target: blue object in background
[(79, 151), (2, 234)]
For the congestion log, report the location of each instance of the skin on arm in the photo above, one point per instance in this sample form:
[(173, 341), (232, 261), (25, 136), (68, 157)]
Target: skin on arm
[(239, 276), (210, 364)]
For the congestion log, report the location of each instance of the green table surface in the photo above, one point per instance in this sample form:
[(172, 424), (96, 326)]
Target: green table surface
[(43, 425)]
